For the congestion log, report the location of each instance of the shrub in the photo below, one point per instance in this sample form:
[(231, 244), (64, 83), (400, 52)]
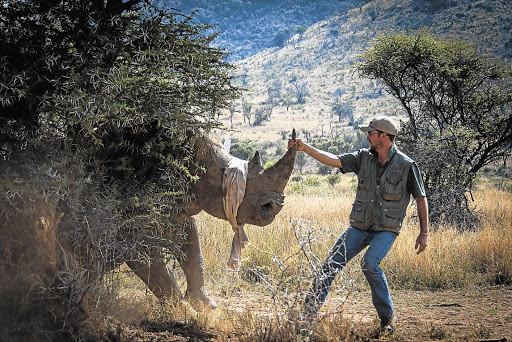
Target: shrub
[(311, 181), (333, 179)]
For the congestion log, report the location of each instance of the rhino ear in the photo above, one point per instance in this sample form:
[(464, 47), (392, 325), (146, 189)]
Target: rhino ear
[(255, 162)]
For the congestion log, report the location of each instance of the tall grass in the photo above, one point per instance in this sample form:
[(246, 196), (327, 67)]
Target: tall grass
[(263, 301), (455, 256), (281, 261)]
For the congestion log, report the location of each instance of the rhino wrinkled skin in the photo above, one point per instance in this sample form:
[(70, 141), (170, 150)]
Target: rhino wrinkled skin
[(262, 201)]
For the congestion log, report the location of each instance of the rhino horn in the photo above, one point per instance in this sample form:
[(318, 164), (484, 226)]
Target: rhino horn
[(280, 172)]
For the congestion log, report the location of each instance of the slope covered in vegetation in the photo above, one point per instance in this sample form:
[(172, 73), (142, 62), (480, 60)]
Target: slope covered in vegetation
[(311, 82), (251, 26)]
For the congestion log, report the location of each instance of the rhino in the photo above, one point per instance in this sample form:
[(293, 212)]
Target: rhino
[(258, 198), (39, 245)]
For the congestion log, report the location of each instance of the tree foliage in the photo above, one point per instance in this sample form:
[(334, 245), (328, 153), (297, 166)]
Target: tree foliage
[(100, 103), (299, 91), (115, 87), (343, 110), (458, 104)]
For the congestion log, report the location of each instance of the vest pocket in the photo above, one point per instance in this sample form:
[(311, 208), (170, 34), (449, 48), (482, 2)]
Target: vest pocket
[(392, 218), (362, 184), (358, 213), (392, 190)]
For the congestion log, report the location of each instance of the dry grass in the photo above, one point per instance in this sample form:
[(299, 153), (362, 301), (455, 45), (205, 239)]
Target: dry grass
[(261, 303), (455, 257)]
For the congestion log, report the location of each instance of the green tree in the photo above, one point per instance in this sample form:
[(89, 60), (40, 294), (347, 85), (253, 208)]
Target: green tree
[(344, 110), (281, 37), (118, 91), (458, 102), (300, 30), (262, 114), (247, 110), (299, 90), (100, 102), (274, 93), (333, 179)]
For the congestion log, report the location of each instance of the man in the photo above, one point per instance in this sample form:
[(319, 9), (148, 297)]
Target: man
[(386, 180)]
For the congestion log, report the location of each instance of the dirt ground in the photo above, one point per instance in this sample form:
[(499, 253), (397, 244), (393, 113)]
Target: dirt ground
[(453, 315), (449, 315)]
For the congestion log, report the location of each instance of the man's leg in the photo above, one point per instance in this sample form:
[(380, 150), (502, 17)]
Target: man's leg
[(349, 244), (380, 244)]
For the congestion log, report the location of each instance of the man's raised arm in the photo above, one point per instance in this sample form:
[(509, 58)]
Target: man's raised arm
[(323, 157)]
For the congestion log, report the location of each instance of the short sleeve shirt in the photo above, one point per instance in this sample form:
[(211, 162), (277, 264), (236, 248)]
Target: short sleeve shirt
[(351, 162)]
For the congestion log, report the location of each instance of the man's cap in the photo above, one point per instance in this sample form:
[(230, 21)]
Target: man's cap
[(383, 124)]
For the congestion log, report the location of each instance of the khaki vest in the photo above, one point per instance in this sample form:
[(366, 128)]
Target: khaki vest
[(383, 206)]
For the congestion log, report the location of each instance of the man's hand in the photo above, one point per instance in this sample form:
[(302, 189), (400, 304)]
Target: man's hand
[(300, 144), (421, 240), (421, 243)]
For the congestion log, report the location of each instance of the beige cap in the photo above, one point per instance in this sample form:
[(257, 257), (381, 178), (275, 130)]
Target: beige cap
[(383, 124)]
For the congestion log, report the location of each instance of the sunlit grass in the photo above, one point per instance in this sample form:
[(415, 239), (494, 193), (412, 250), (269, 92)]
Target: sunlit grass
[(262, 302), (455, 257)]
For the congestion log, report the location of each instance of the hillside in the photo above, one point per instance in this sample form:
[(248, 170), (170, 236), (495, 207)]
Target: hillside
[(248, 27), (318, 63)]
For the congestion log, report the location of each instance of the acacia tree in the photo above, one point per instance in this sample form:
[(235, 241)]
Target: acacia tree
[(247, 110), (299, 90), (100, 102), (111, 89), (458, 104), (343, 110)]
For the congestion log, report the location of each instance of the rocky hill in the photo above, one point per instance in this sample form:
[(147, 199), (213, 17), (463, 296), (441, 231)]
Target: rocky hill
[(250, 26), (319, 64), (307, 81)]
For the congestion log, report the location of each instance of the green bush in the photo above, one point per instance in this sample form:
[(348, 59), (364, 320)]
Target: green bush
[(311, 181), (269, 163), (242, 149), (103, 122), (333, 179)]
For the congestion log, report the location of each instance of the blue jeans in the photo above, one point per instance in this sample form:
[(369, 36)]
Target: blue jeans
[(348, 245)]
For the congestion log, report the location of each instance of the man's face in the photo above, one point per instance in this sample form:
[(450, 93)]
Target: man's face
[(374, 139)]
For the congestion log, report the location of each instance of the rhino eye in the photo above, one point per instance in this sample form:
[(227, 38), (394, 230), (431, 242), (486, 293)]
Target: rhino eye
[(266, 206)]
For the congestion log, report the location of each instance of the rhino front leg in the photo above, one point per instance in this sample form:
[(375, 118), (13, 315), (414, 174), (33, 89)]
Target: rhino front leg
[(157, 277), (193, 267)]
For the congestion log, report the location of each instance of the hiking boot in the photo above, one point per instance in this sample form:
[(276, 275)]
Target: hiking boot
[(388, 325)]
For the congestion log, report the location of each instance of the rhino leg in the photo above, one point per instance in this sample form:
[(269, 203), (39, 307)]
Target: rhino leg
[(157, 277), (193, 267)]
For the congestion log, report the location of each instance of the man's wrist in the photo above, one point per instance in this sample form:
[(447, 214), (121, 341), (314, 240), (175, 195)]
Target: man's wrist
[(422, 233)]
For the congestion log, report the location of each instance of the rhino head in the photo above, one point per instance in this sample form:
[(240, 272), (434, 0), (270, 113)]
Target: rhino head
[(263, 198)]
